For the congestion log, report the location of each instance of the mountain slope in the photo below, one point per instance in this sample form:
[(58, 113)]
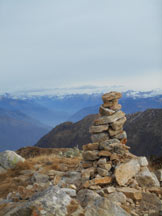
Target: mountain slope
[(68, 134), (143, 129), (18, 130)]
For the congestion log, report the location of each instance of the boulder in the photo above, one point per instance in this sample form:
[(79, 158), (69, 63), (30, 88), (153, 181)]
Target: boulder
[(109, 119), (145, 178), (49, 202), (125, 171), (105, 207), (9, 159)]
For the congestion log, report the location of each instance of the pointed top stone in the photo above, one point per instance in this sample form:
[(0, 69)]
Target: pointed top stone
[(111, 96)]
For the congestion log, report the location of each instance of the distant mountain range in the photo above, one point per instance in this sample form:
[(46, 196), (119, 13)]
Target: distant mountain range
[(143, 129), (44, 112), (18, 130)]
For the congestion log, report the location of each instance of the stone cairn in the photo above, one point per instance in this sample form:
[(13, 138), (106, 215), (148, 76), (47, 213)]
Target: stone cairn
[(107, 161)]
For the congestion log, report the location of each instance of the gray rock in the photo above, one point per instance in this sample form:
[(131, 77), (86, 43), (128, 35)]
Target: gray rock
[(71, 177), (150, 201), (9, 159), (39, 178), (145, 178), (69, 191), (117, 197), (86, 196), (52, 201), (99, 137), (126, 171), (104, 145), (104, 207)]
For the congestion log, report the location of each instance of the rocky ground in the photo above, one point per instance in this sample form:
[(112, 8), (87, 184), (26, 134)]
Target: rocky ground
[(103, 179)]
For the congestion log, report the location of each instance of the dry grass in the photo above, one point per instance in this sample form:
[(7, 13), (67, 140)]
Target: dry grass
[(48, 162)]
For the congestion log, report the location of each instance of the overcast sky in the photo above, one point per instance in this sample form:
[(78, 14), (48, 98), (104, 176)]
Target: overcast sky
[(49, 43)]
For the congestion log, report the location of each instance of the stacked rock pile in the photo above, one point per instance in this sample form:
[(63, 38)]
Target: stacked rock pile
[(110, 123), (107, 163)]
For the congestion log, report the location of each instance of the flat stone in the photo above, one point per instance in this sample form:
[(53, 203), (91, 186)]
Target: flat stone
[(105, 207), (131, 193), (98, 181), (105, 111), (121, 136), (98, 129), (105, 145), (87, 164), (145, 178), (104, 153), (143, 161), (126, 171), (90, 146), (111, 95), (102, 172), (109, 119), (110, 104), (117, 125), (113, 133), (55, 172), (90, 155), (98, 137)]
